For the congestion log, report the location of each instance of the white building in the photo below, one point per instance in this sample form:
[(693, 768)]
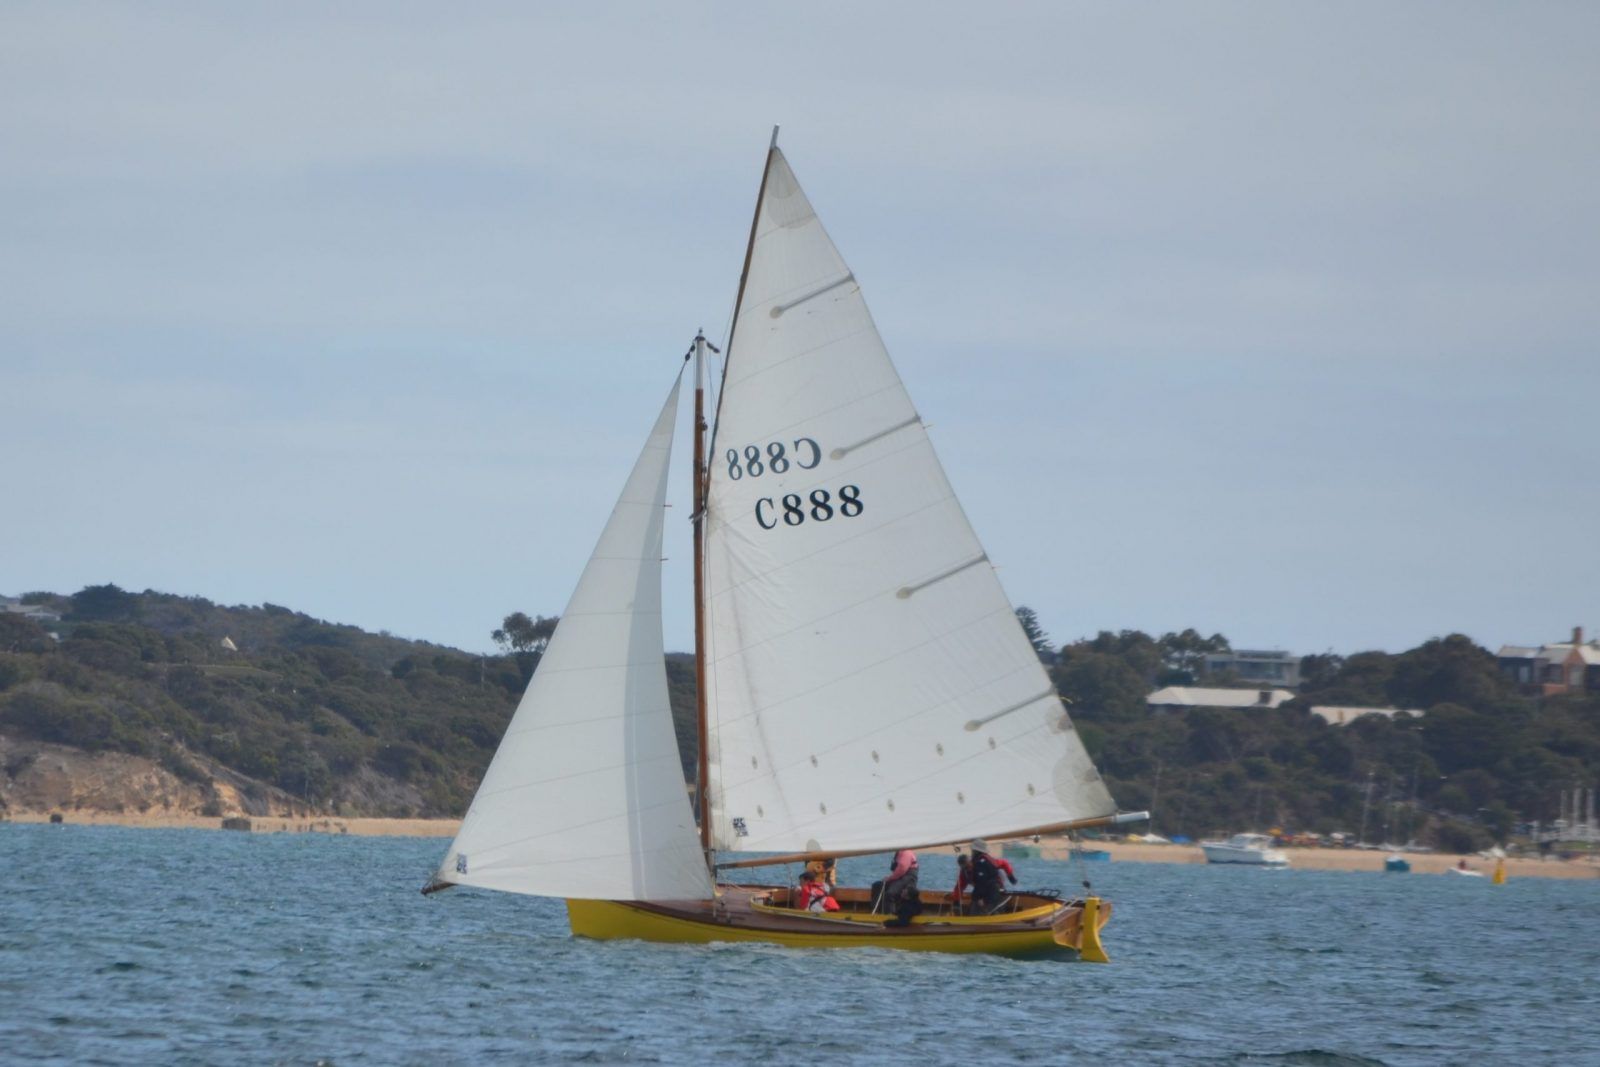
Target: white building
[(1174, 697)]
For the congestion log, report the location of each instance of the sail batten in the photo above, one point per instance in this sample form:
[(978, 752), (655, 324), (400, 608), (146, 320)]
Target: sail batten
[(585, 796), (855, 631)]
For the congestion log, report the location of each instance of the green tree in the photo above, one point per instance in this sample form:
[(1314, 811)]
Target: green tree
[(1100, 687), (104, 603), (518, 633), (1183, 655), (1136, 649), (22, 635), (526, 639), (1447, 670), (1319, 669), (1036, 635)]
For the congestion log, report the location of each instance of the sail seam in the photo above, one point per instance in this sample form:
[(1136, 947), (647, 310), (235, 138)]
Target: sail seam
[(848, 472), (642, 713), (815, 820), (829, 343), (581, 774), (735, 586), (629, 813), (855, 401), (595, 667), (779, 309), (920, 713), (756, 710)]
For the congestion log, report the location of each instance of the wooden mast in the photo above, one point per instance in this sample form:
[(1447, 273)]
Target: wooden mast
[(702, 758), (701, 501)]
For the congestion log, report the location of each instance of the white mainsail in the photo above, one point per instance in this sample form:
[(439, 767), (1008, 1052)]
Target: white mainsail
[(585, 796), (868, 683)]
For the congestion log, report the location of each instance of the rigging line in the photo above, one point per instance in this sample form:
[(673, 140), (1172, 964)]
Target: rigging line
[(744, 276)]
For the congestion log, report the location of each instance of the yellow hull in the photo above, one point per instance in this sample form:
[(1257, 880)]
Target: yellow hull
[(608, 920)]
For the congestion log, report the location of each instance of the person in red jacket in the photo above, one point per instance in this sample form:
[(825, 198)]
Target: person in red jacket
[(813, 895), (982, 873)]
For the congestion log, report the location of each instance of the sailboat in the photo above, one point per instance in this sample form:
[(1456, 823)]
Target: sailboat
[(863, 683)]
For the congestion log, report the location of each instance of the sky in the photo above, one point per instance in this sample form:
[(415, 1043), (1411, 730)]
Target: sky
[(1274, 320)]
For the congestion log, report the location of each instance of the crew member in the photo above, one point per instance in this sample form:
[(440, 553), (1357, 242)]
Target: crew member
[(983, 874), (898, 892)]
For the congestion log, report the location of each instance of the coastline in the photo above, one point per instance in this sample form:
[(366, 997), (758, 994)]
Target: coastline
[(1052, 849), (260, 824), (1342, 859)]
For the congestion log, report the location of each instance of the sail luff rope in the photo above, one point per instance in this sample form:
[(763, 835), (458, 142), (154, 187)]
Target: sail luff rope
[(698, 509)]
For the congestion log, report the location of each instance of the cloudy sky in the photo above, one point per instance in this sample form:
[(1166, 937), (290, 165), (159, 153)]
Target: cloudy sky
[(1271, 319)]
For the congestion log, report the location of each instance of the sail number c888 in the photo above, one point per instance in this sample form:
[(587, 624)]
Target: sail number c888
[(792, 509), (776, 458)]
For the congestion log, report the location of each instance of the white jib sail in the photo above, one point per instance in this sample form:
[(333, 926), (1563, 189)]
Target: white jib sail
[(869, 684), (585, 796)]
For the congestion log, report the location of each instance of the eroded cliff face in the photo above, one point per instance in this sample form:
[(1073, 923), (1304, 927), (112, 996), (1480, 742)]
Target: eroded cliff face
[(40, 777), (37, 777)]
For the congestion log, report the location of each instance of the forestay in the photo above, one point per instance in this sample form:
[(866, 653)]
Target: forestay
[(869, 684), (585, 796)]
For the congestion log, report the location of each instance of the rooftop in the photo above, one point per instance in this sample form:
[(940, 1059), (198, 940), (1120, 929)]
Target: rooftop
[(1188, 696)]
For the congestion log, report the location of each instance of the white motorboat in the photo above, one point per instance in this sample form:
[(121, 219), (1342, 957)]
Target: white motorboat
[(1253, 849), (1463, 872)]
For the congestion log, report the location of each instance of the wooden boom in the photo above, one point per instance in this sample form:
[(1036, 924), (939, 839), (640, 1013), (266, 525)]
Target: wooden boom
[(1032, 831)]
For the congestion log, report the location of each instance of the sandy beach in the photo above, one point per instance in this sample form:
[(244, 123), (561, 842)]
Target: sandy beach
[(1343, 859), (262, 824), (1317, 859)]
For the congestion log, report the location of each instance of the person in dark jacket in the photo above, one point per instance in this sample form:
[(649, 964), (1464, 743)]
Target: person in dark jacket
[(982, 873)]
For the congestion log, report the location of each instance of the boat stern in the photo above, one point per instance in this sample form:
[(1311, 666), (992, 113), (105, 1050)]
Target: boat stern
[(1079, 929)]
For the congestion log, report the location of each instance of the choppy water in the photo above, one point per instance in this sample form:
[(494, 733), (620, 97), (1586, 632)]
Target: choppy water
[(152, 946)]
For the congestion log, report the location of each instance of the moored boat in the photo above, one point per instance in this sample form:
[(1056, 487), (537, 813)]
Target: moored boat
[(863, 683), (1396, 865), (1250, 849)]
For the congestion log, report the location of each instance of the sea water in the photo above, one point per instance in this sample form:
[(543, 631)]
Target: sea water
[(123, 946)]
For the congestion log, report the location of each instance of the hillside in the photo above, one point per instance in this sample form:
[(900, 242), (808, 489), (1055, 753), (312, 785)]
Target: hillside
[(142, 706), (297, 716)]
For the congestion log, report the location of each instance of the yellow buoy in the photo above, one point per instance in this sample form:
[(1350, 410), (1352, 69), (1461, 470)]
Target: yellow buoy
[(1499, 872)]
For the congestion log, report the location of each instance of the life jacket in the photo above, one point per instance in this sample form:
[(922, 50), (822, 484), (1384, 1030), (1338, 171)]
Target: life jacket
[(985, 876), (809, 893)]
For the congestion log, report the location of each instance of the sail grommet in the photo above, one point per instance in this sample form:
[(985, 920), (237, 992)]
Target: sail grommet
[(991, 743), (961, 798), (891, 805), (1031, 790), (939, 747), (874, 755), (823, 808), (761, 813), (813, 761), (753, 764)]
